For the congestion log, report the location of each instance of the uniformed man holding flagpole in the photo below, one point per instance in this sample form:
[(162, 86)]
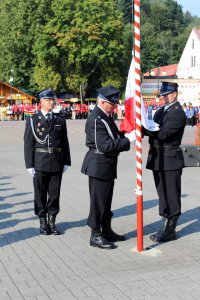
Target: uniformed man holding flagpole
[(166, 161), (105, 143)]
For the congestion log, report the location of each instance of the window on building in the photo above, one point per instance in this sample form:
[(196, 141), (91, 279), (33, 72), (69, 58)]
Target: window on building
[(192, 61), (193, 44)]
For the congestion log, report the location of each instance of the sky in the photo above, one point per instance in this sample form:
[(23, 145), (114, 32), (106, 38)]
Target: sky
[(193, 6)]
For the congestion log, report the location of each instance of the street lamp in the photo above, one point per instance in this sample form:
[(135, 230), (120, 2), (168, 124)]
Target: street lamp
[(158, 75), (11, 79), (82, 93)]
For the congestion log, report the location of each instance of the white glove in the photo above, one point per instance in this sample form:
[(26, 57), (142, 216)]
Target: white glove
[(31, 171), (131, 136), (65, 168), (153, 126)]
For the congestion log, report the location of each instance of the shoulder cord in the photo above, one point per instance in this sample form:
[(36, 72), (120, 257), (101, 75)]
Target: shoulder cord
[(108, 129), (95, 132), (42, 142)]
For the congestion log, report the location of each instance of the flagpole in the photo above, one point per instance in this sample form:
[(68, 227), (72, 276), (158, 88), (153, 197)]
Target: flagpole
[(139, 193)]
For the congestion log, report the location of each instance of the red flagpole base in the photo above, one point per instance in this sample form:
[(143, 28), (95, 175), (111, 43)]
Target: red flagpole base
[(140, 223)]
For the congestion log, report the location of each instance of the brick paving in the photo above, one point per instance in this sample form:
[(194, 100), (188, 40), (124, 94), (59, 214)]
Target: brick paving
[(35, 267)]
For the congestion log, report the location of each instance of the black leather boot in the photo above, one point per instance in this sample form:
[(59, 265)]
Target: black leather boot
[(155, 236), (110, 235), (44, 227), (52, 225), (167, 231), (98, 240)]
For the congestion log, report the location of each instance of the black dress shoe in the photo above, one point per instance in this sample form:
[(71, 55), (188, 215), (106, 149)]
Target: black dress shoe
[(98, 240), (52, 226), (44, 227)]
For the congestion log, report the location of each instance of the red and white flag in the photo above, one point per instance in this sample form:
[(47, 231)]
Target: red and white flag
[(128, 124)]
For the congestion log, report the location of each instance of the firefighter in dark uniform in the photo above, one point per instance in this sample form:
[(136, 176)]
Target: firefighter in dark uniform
[(105, 142), (47, 156), (166, 160)]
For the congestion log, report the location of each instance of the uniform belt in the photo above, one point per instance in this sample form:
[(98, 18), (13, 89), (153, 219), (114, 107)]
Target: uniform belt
[(49, 150), (166, 147), (95, 151), (106, 154)]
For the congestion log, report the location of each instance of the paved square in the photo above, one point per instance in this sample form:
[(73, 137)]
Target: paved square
[(65, 267)]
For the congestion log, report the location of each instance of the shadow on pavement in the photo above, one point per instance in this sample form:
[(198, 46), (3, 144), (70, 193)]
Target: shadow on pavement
[(192, 217), (14, 195), (7, 219), (5, 177), (119, 212), (3, 190), (5, 183), (18, 235)]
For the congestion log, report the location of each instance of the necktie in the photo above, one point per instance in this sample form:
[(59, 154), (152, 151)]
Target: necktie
[(48, 118)]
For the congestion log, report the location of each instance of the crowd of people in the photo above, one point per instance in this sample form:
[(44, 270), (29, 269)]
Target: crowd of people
[(192, 113), (16, 112)]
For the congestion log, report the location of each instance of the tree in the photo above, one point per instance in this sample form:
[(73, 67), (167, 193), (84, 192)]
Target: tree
[(149, 48), (82, 43), (20, 21), (67, 44), (162, 33), (126, 7)]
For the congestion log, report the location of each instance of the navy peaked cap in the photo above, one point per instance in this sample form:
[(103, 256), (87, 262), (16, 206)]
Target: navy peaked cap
[(109, 93), (47, 93), (168, 87)]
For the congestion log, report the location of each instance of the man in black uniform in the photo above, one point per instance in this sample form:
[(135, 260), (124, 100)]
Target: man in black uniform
[(47, 156), (165, 159), (105, 142)]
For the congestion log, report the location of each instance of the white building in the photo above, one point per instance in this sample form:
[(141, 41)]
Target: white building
[(189, 64), (186, 73)]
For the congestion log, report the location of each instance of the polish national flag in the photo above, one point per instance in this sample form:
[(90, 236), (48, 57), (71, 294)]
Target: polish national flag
[(128, 124)]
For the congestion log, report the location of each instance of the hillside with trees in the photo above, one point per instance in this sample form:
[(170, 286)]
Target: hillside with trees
[(69, 44)]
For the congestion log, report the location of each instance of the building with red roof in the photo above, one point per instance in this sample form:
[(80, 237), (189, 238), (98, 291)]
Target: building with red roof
[(13, 95), (186, 73), (162, 72)]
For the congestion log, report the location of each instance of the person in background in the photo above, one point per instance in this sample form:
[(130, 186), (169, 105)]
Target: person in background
[(166, 160), (68, 111), (47, 156), (105, 143), (91, 107), (9, 112), (2, 112), (73, 109)]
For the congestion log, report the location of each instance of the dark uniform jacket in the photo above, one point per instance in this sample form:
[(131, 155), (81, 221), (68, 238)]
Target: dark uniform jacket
[(47, 162), (165, 153), (101, 159)]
